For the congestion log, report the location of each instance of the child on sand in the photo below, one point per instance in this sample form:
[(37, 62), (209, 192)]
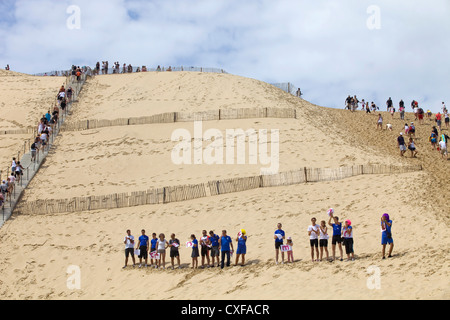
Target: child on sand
[(290, 254), (174, 244)]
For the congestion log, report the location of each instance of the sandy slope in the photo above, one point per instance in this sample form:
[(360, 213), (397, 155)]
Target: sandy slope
[(37, 250), (23, 101), (35, 265)]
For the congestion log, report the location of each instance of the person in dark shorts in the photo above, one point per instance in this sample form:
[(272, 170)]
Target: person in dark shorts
[(129, 248), (174, 244), (153, 244), (205, 247), (143, 248), (347, 234), (323, 240), (313, 233), (279, 236), (215, 251), (336, 239)]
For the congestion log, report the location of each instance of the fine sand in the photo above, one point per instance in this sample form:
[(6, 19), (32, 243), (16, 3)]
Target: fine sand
[(23, 101), (38, 250)]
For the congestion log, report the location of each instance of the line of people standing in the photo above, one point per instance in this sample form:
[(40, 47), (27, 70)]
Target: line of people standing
[(209, 247)]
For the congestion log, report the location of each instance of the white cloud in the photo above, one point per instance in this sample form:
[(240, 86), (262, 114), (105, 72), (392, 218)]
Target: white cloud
[(324, 47)]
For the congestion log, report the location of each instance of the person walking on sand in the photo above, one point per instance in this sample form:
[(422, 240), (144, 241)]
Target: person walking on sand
[(129, 248), (174, 244), (401, 144), (225, 243), (143, 248), (323, 240), (380, 122), (215, 251), (386, 235), (313, 233), (162, 245), (443, 149), (412, 148), (194, 254), (241, 240), (279, 236), (205, 248), (347, 234)]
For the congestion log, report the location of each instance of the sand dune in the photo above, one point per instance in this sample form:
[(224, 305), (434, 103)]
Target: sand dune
[(23, 101), (136, 157)]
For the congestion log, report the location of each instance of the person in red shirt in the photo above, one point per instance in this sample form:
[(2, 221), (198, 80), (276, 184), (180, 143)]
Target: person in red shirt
[(438, 120)]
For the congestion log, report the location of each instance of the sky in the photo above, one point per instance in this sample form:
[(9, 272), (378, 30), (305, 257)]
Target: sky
[(374, 49)]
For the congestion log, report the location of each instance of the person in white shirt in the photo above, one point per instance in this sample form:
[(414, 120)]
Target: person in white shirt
[(323, 239), (162, 245), (313, 232), (443, 149), (129, 248)]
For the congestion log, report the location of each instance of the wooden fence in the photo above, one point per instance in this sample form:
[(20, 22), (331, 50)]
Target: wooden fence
[(215, 187), (171, 117)]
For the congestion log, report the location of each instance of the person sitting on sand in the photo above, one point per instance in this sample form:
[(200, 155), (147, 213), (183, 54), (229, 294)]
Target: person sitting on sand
[(313, 233), (129, 248), (412, 148), (386, 235), (279, 236), (389, 127)]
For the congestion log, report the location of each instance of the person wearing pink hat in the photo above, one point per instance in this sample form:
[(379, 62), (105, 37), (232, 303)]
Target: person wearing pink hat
[(347, 235)]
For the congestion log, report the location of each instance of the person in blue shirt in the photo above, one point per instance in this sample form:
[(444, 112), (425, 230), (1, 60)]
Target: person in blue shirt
[(386, 235), (214, 238), (225, 242), (195, 252), (143, 247), (241, 247), (279, 236), (153, 244), (337, 239)]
